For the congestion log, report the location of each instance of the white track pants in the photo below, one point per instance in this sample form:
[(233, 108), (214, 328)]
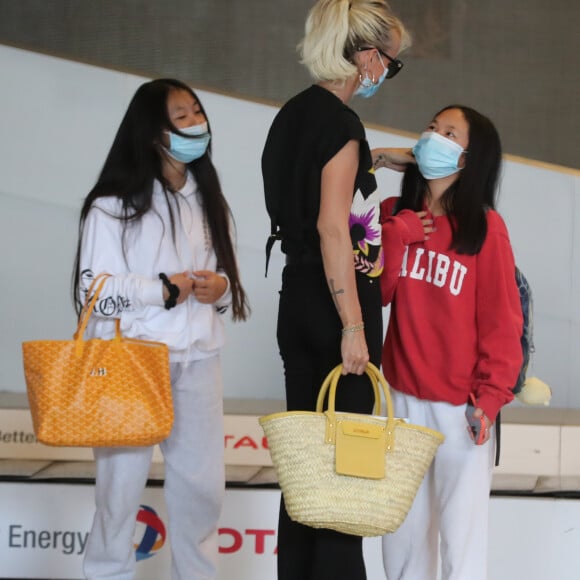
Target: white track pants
[(452, 503), (194, 484)]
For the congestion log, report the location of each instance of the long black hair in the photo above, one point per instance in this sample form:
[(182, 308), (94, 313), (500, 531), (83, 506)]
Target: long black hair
[(134, 163), (466, 201)]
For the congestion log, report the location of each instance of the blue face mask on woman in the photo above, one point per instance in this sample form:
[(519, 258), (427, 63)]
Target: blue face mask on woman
[(366, 89), (187, 150), (437, 156)]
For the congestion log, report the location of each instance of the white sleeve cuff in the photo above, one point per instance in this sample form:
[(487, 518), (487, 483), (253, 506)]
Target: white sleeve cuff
[(152, 293), (226, 298)]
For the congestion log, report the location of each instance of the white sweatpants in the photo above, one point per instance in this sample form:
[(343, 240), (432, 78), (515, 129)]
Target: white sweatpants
[(452, 503), (194, 484)]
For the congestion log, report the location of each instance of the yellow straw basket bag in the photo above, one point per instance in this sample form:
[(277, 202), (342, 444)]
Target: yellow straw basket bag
[(98, 393), (353, 473)]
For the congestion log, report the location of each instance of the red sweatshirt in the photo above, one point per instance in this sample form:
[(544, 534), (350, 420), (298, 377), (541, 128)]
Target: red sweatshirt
[(456, 320)]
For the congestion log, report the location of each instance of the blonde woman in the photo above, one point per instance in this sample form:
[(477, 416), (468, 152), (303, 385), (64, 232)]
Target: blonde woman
[(321, 195)]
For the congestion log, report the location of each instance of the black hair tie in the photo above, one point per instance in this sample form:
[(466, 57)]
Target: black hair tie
[(173, 290)]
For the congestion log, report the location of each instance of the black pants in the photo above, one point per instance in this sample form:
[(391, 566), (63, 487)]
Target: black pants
[(309, 337)]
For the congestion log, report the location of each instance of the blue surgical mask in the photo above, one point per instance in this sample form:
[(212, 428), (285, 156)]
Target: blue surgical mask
[(366, 89), (436, 155), (187, 150)]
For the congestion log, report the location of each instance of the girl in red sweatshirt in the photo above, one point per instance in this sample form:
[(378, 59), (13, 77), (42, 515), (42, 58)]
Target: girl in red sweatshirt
[(454, 331)]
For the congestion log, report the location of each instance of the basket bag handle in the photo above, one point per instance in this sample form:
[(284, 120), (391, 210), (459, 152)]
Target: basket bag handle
[(331, 381), (376, 377)]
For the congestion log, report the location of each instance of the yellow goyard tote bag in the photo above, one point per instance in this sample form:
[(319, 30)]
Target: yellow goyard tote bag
[(98, 393), (350, 472)]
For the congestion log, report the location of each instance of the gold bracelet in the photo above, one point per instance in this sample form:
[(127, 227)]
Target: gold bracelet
[(353, 328)]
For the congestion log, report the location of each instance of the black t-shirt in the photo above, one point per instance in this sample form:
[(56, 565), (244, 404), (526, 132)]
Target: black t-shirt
[(307, 132)]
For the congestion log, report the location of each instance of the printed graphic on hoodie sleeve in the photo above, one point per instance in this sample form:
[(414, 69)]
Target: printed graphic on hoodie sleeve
[(106, 305)]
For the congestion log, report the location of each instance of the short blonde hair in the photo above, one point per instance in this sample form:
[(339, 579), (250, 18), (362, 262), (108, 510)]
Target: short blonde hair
[(335, 28)]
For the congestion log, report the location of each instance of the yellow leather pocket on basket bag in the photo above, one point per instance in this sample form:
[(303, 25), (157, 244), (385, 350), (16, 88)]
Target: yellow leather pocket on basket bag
[(360, 449)]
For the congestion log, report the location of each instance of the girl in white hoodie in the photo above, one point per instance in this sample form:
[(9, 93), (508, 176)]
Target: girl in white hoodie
[(158, 223)]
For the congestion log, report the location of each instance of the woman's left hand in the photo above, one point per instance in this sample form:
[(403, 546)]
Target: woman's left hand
[(479, 413), (392, 158), (208, 286), (427, 223)]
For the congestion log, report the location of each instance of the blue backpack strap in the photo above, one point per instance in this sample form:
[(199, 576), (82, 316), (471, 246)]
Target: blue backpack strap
[(527, 341)]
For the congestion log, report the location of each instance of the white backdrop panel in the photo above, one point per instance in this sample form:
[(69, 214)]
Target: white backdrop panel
[(43, 531), (58, 120)]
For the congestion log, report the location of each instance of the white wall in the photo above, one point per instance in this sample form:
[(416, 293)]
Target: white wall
[(57, 120)]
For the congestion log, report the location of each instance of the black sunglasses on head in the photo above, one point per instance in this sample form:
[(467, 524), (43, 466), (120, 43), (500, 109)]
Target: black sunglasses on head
[(394, 65)]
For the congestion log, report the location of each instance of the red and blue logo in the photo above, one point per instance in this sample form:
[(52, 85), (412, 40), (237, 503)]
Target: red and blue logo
[(151, 531)]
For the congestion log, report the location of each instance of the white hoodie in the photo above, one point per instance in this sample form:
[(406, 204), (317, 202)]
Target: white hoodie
[(134, 292)]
